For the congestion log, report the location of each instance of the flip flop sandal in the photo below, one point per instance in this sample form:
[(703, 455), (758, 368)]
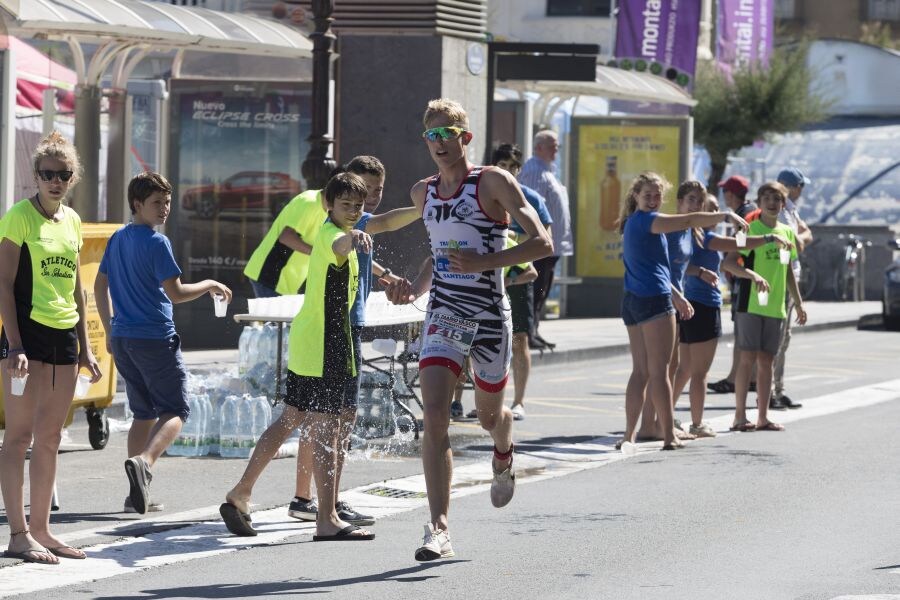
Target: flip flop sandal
[(237, 522), (29, 556), (745, 427), (344, 535), (770, 426), (68, 552)]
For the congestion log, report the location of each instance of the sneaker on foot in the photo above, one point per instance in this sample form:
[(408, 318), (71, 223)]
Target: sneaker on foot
[(503, 486), (346, 513), (518, 412), (303, 509), (151, 506), (456, 410), (786, 401), (703, 430), (139, 479), (435, 545)]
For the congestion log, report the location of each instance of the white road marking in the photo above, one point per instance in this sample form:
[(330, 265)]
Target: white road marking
[(210, 538)]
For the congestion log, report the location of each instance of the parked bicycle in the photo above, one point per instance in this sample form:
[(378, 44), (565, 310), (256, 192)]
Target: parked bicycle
[(849, 279)]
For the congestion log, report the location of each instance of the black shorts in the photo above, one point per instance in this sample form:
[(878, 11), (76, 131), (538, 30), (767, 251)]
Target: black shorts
[(45, 344), (521, 303), (705, 325), (320, 395)]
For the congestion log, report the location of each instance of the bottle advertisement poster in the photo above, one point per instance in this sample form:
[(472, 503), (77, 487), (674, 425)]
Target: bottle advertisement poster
[(235, 158), (608, 154)]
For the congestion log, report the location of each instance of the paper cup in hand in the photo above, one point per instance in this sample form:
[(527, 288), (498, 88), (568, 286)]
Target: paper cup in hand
[(762, 297), (785, 255), (82, 385), (17, 385), (220, 305), (741, 238)]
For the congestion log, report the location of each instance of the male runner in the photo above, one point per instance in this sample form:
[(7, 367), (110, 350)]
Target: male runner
[(466, 210)]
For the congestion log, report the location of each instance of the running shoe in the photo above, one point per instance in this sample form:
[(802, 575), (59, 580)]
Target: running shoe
[(346, 513), (456, 409), (303, 509), (139, 479), (503, 486), (518, 412), (151, 506), (703, 430), (435, 545)]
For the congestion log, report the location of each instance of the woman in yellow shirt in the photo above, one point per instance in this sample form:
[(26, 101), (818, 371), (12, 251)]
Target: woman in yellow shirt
[(43, 340)]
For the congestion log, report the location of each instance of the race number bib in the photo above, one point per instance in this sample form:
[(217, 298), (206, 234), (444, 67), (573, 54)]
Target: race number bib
[(454, 333)]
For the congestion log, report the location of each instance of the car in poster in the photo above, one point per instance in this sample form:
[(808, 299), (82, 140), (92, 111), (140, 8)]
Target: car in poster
[(246, 190)]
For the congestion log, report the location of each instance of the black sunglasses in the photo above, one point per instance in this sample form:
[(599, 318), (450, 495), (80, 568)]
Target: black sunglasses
[(48, 175)]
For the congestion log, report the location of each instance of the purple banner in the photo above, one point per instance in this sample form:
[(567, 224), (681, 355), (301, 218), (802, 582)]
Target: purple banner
[(744, 32), (659, 36)]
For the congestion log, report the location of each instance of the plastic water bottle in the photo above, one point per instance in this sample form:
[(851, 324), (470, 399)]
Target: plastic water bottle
[(229, 427), (246, 439), (216, 398), (206, 429), (187, 442), (262, 413), (244, 349)]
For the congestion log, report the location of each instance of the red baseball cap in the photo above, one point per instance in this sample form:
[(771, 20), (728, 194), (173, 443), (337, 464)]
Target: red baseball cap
[(736, 185)]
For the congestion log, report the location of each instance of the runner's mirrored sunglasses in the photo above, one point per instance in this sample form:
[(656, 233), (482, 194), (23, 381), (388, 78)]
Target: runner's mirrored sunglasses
[(443, 133)]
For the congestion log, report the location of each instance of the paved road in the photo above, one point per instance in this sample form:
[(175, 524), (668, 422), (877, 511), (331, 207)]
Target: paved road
[(809, 513)]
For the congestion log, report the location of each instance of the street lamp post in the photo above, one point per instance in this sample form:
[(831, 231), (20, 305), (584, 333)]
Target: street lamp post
[(318, 164)]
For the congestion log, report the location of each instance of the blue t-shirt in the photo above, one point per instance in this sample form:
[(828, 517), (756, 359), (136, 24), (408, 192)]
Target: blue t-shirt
[(136, 262), (358, 310), (679, 246), (538, 203), (695, 289), (645, 256)]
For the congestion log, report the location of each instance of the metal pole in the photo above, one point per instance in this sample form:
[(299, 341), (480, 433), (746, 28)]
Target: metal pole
[(118, 156), (318, 163), (8, 127), (489, 117), (87, 141)]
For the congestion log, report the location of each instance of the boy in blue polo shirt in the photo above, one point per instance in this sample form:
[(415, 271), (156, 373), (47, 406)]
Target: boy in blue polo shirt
[(139, 272)]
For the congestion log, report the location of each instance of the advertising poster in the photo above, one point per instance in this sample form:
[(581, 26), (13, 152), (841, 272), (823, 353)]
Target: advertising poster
[(609, 153), (744, 32), (659, 36), (236, 152)]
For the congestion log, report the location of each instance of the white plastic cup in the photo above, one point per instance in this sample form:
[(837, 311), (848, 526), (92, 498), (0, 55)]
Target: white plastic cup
[(741, 239), (785, 255), (220, 305), (629, 449), (762, 298), (17, 385), (82, 385), (384, 346)]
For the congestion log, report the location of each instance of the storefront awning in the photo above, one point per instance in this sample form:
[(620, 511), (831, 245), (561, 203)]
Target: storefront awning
[(163, 26), (611, 83)]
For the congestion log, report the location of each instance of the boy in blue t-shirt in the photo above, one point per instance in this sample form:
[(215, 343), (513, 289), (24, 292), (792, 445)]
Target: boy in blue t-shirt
[(139, 272)]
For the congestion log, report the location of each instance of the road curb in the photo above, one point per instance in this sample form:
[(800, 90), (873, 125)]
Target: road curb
[(558, 357)]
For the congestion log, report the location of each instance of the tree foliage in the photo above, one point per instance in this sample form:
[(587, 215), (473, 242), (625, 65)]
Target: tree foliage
[(752, 102)]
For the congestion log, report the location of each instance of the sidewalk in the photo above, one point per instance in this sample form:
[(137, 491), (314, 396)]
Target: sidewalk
[(585, 339)]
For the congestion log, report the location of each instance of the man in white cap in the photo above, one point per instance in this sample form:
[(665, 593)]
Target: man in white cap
[(794, 180)]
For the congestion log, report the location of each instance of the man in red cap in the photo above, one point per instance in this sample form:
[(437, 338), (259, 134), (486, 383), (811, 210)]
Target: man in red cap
[(735, 190)]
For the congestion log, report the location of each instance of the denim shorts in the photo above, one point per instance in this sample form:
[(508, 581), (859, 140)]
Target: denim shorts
[(639, 309), (154, 374)]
